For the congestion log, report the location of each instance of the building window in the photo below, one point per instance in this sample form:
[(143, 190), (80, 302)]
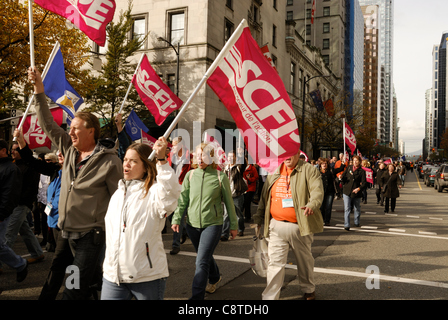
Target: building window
[(290, 15), (177, 28), (289, 2), (228, 30), (229, 4), (139, 28), (293, 78), (274, 4), (326, 59), (326, 27), (308, 29), (308, 13), (326, 11), (274, 35), (326, 44), (171, 81)]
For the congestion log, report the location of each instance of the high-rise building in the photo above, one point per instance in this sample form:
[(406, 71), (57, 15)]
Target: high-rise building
[(337, 31), (386, 23)]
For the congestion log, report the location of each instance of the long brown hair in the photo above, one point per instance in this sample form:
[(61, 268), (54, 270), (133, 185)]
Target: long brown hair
[(144, 151)]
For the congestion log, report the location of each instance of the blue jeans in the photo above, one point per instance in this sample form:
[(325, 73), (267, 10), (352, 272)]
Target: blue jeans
[(327, 206), (149, 290), (239, 207), (7, 255), (204, 241), (348, 204), (18, 224)]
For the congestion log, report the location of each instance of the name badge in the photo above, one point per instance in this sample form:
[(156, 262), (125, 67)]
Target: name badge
[(48, 208), (287, 203)]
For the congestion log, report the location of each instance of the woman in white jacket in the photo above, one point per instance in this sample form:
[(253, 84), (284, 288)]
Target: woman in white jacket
[(135, 264)]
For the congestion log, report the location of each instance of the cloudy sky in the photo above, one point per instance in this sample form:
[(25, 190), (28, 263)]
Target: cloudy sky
[(418, 26)]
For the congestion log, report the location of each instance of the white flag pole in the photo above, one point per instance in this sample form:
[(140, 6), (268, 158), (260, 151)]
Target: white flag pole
[(343, 132), (44, 74), (130, 85), (236, 34), (31, 28)]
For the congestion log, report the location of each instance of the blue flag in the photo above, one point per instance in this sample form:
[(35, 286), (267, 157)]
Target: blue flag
[(315, 95), (133, 126), (59, 90)]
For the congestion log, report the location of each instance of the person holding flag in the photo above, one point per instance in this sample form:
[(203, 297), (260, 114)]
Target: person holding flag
[(90, 177)]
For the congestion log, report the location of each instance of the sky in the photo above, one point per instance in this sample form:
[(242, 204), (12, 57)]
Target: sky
[(418, 26)]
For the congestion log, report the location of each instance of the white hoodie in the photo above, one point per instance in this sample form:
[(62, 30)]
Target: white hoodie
[(134, 247)]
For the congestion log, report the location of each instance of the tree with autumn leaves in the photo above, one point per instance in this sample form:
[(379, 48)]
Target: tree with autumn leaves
[(15, 50)]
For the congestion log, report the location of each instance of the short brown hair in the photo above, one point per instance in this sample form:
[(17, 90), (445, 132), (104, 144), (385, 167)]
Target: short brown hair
[(90, 121)]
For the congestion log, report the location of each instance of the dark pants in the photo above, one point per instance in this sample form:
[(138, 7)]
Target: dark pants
[(393, 202), (327, 206), (62, 258), (248, 196), (379, 196)]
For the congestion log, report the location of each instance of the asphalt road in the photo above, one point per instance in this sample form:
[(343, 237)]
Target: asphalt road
[(407, 251)]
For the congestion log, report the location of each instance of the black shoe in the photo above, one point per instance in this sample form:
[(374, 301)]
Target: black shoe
[(21, 275), (357, 225), (347, 229), (175, 250), (385, 211)]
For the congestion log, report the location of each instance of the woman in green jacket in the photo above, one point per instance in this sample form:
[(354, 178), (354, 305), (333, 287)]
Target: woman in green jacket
[(203, 190)]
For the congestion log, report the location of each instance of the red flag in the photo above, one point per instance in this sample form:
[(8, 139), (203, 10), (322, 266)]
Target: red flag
[(155, 94), (150, 140), (369, 175), (313, 11), (33, 133), (329, 107), (350, 138), (257, 99), (220, 154), (267, 54), (90, 16)]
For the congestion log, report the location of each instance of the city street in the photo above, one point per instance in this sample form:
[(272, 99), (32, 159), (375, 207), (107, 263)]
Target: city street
[(406, 249)]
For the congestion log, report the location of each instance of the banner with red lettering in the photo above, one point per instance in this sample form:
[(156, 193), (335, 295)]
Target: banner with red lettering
[(258, 102), (350, 138), (90, 16), (155, 94), (33, 133)]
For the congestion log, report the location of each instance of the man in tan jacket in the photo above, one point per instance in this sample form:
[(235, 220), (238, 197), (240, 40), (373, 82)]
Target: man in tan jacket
[(289, 208), (90, 176)]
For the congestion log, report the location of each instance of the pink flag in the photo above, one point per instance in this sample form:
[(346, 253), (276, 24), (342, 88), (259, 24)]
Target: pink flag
[(258, 102), (369, 175), (150, 140), (220, 154), (350, 138), (313, 11), (33, 133), (268, 56), (90, 16), (155, 94)]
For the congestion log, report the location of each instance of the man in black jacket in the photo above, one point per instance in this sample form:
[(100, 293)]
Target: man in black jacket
[(10, 187)]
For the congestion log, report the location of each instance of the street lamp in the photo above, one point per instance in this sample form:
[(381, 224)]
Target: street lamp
[(302, 133), (177, 54)]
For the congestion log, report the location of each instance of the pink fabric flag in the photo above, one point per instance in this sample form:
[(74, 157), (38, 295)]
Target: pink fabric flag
[(90, 16), (34, 135), (350, 138), (369, 175), (150, 140), (155, 94), (258, 102)]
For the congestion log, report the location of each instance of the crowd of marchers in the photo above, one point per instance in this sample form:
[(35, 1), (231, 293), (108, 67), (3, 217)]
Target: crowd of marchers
[(102, 207)]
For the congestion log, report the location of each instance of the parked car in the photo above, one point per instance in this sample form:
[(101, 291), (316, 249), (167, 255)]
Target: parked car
[(429, 175), (441, 178), (421, 171)]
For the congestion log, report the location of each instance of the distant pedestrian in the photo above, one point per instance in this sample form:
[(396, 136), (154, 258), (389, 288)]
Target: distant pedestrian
[(10, 188), (18, 222), (135, 264), (379, 184), (391, 182), (354, 182), (251, 177), (203, 190), (328, 175)]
